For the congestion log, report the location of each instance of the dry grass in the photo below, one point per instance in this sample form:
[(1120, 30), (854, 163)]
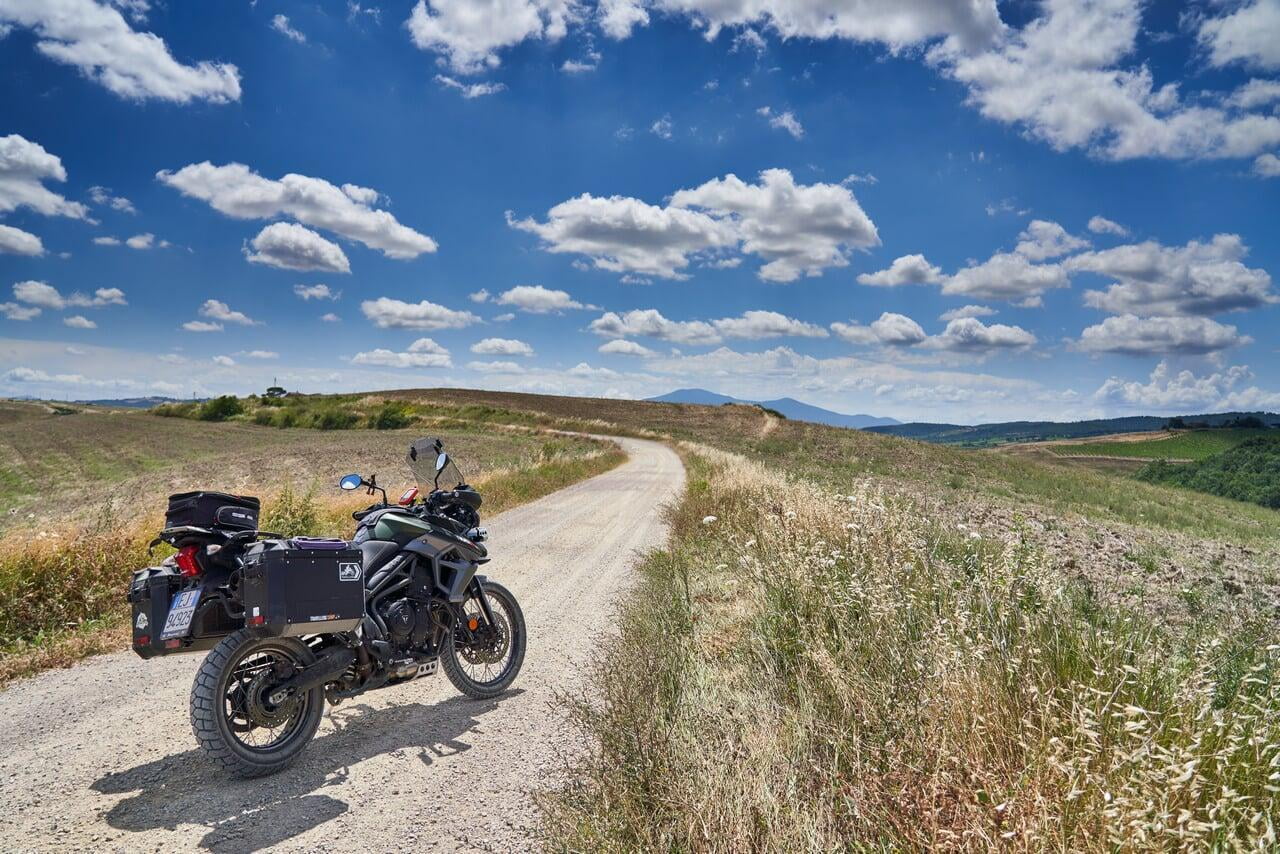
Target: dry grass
[(805, 670)]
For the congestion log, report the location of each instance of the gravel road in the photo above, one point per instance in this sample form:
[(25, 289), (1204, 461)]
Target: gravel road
[(101, 756)]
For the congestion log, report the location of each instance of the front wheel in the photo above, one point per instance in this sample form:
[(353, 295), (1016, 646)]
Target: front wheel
[(235, 723), (482, 663)]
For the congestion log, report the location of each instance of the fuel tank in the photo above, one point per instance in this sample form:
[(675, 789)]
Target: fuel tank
[(398, 526)]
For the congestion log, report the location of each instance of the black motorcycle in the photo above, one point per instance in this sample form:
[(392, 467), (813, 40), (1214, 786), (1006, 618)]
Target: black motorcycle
[(291, 623)]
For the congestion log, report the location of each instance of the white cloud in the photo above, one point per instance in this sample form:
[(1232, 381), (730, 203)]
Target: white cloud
[(582, 369), (47, 296), (423, 353), (1195, 279), (758, 324), (14, 311), (15, 241), (238, 191), (280, 23), (1187, 393), (79, 321), (783, 121), (1255, 93), (970, 335), (289, 246), (504, 318), (201, 326), (623, 347), (1042, 239), (906, 270), (581, 66), (855, 178), (479, 296), (106, 241), (1144, 336), (501, 347), (535, 299), (469, 33), (890, 329), (218, 310), (262, 354), (330, 318), (1067, 79), (1102, 225), (498, 367), (661, 128), (24, 167), (1006, 276), (103, 196), (1246, 35), (145, 241), (470, 90), (967, 311), (387, 313), (1266, 166), (316, 292), (96, 39), (650, 323), (224, 361)]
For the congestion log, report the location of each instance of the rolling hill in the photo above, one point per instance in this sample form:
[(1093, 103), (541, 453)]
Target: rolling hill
[(1037, 431), (797, 410)]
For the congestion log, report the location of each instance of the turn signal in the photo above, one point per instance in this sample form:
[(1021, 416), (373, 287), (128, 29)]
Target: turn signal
[(186, 560), (473, 624), (409, 496)]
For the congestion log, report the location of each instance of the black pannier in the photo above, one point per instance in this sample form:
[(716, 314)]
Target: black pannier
[(212, 510), (302, 591), (151, 595)]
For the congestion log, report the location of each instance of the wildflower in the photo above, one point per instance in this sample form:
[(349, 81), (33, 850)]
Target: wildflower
[(749, 543), (707, 520), (974, 535)]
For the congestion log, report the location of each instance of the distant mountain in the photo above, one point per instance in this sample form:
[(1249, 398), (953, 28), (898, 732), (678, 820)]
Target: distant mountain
[(797, 410), (1035, 431), (132, 402)]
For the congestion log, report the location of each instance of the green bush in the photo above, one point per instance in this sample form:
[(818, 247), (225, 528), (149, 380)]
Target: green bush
[(1248, 472), (393, 415), (220, 408), (334, 419), (291, 514)]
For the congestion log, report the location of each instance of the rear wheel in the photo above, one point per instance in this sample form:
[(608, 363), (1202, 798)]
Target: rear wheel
[(483, 663), (234, 721)]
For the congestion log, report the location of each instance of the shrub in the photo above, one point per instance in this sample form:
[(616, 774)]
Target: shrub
[(333, 418), (221, 408), (392, 415), (291, 514), (1248, 472)]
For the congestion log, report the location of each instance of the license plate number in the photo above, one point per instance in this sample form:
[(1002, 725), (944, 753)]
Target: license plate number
[(181, 610)]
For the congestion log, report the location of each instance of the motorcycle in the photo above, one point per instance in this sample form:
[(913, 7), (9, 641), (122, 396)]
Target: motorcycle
[(293, 623)]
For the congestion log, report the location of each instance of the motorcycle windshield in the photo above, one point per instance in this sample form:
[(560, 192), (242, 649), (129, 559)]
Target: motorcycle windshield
[(423, 462)]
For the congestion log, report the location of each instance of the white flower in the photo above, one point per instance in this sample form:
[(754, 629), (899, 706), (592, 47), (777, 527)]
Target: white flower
[(707, 520), (974, 535)]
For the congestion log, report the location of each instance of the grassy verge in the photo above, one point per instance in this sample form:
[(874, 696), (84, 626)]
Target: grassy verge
[(803, 670), (62, 593)]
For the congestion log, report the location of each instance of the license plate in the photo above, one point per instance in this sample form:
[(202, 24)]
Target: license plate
[(181, 610)]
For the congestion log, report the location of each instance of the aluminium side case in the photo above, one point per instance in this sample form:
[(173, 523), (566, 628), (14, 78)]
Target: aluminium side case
[(302, 591)]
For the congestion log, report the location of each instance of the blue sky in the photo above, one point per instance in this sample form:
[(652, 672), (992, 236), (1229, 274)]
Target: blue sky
[(947, 211)]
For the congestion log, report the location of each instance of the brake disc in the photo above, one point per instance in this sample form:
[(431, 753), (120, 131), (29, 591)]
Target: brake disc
[(259, 711), (491, 648)]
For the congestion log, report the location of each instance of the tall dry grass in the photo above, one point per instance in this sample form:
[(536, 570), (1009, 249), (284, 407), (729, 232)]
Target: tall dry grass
[(804, 670)]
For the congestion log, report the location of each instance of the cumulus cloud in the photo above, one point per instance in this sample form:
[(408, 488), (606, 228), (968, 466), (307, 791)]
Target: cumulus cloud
[(1006, 276), (1255, 93), (1186, 392), (535, 299), (661, 128), (218, 310), (970, 335), (95, 39), (1196, 279), (650, 323), (45, 295), (1042, 239), (330, 317), (1266, 166), (79, 321), (106, 241), (289, 246), (1102, 225), (623, 347), (786, 121), (1145, 336), (907, 270), (24, 167), (468, 34), (581, 66), (238, 191), (224, 361), (480, 296), (146, 241), (1067, 78), (15, 241), (967, 311), (1246, 35), (758, 324), (498, 367), (16, 311), (280, 23), (501, 347), (423, 353), (316, 292), (387, 313), (201, 326), (262, 354), (890, 328), (103, 196), (470, 90), (797, 229)]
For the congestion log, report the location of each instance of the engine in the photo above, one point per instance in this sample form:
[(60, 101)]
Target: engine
[(409, 623)]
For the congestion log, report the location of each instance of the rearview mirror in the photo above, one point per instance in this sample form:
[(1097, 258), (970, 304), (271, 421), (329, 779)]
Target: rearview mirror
[(441, 461), (351, 481)]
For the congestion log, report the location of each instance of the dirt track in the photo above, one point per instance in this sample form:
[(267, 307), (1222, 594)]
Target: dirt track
[(101, 756)]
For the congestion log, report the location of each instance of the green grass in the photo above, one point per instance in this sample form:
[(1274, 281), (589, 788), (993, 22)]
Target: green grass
[(1249, 471), (1189, 445)]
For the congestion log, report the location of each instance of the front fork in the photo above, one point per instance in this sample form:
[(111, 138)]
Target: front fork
[(476, 590)]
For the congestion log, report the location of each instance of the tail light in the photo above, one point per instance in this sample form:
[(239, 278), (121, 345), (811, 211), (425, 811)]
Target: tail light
[(186, 560), (409, 496)]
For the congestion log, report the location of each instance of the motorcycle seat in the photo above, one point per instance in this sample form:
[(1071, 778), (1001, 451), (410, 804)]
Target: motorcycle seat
[(375, 554)]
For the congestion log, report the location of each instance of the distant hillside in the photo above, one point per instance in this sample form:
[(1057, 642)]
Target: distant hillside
[(1035, 431), (796, 410), (1248, 472), (132, 402)]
